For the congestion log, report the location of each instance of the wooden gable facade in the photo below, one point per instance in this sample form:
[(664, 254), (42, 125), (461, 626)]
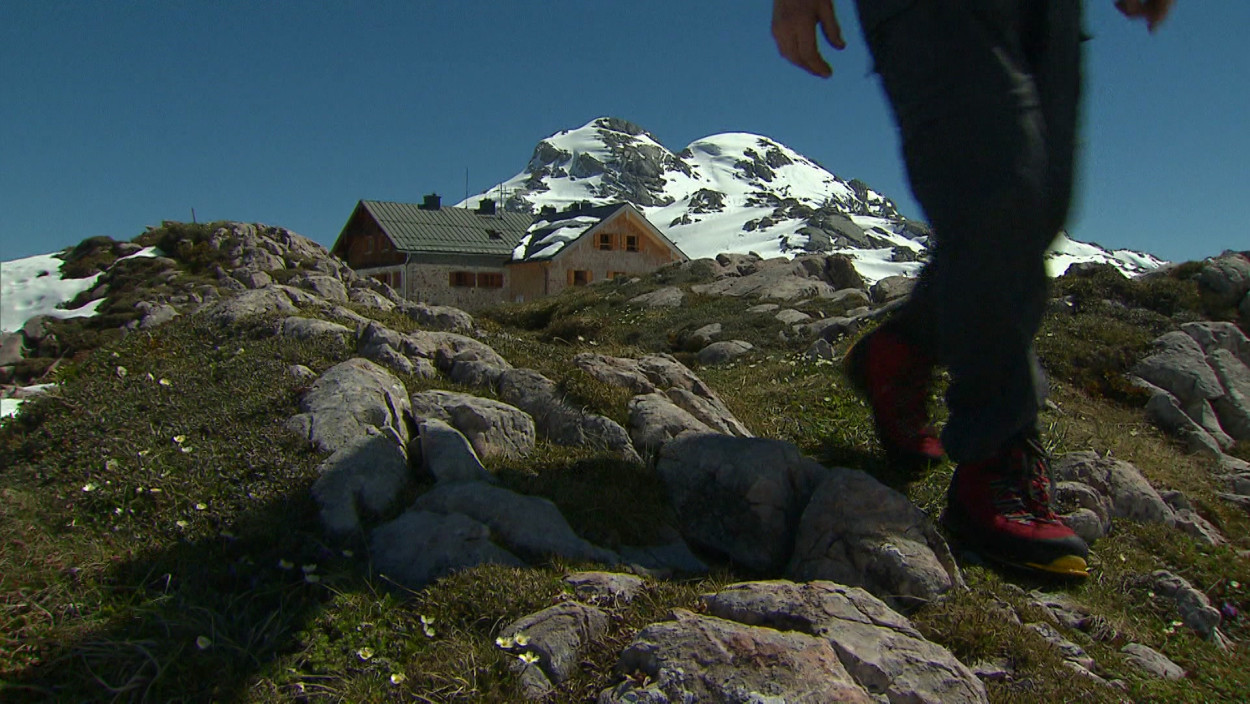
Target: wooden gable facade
[(621, 243)]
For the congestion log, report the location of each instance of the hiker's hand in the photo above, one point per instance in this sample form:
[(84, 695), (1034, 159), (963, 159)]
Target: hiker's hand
[(1153, 11), (794, 30)]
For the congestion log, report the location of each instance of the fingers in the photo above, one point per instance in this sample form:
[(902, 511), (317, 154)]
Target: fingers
[(794, 31), (829, 23)]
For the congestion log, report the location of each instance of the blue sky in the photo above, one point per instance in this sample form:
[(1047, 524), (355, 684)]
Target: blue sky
[(118, 114)]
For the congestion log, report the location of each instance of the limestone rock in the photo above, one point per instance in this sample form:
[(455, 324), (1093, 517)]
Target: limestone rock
[(1131, 496), (1178, 364), (1152, 661), (328, 287), (445, 318), (610, 588), (859, 532), (419, 547), (740, 497), (880, 648), (724, 351), (706, 659), (668, 297), (531, 526), (298, 328), (654, 420), (250, 304), (367, 473), (892, 288), (790, 316), (560, 422), (370, 299), (1233, 408), (447, 455), (559, 635), (493, 428), (1194, 607), (346, 400)]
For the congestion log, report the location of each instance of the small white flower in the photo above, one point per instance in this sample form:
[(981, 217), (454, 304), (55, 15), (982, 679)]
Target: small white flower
[(203, 642), (528, 658), (284, 565), (150, 377), (185, 450), (364, 653), (180, 439), (164, 382), (1235, 584), (154, 490), (200, 507), (121, 372), (181, 524), (427, 626), (118, 510), (398, 678), (89, 486), (522, 640), (505, 643), (311, 578)]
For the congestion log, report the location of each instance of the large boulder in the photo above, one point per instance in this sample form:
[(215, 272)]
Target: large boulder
[(346, 400), (493, 428), (859, 532), (446, 455), (880, 648), (251, 304), (530, 526), (739, 497), (1130, 495), (696, 658), (366, 475), (1178, 364), (419, 547), (559, 421)]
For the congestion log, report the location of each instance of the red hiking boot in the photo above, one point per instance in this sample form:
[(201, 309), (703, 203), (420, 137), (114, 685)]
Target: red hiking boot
[(1001, 508), (896, 378)]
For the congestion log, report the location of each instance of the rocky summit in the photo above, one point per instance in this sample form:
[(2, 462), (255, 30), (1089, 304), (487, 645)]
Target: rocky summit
[(253, 474), (740, 193)]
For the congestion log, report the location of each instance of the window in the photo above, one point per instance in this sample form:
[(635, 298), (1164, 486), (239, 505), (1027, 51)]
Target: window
[(385, 245), (631, 243), (605, 240), (462, 279), (579, 277), (617, 274), (487, 279)]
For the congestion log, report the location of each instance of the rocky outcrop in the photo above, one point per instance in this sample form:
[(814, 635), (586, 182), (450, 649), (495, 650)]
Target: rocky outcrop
[(762, 505), (1198, 379), (349, 398)]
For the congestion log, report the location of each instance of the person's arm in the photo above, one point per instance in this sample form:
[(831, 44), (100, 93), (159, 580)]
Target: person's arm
[(794, 30), (1153, 11)]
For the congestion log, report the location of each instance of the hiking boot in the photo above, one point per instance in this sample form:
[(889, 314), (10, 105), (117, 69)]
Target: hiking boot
[(896, 378), (1001, 508)]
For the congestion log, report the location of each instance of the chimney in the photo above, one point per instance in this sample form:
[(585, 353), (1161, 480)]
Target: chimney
[(486, 206), (547, 211), (432, 201)]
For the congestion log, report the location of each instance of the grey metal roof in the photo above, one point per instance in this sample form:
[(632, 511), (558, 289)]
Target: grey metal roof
[(458, 230)]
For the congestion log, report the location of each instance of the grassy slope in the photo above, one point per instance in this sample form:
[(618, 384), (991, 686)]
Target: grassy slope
[(158, 542)]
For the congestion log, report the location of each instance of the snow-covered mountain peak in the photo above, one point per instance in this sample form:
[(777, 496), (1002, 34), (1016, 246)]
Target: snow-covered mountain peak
[(728, 192)]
